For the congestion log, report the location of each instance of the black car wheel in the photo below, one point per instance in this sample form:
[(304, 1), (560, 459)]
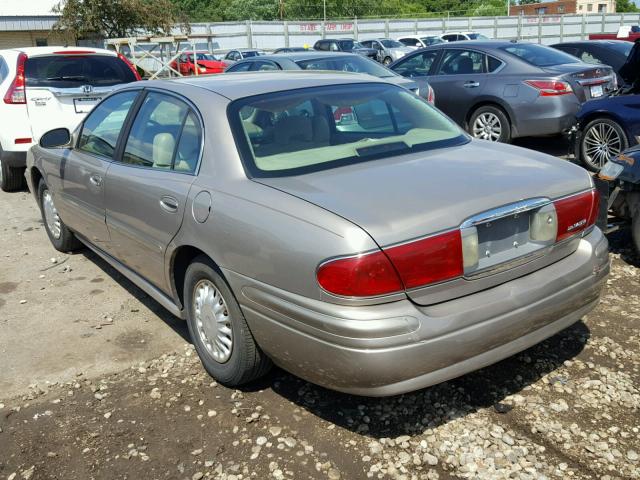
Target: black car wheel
[(601, 140), (490, 123), (387, 61), (11, 179), (218, 328)]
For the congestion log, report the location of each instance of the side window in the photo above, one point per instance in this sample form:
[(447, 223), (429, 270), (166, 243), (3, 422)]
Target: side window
[(493, 64), (570, 50), (367, 43), (103, 125), (4, 70), (333, 46), (183, 58), (156, 132), (264, 65), (418, 65), (409, 42), (188, 151), (449, 38), (461, 62), (241, 67)]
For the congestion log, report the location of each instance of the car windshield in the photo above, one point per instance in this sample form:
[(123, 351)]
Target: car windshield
[(202, 56), (538, 55), (622, 47), (477, 36), (348, 63), (391, 44), (312, 129), (348, 45), (431, 40), (73, 71)]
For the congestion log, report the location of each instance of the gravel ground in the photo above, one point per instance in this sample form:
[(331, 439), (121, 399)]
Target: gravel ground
[(566, 408)]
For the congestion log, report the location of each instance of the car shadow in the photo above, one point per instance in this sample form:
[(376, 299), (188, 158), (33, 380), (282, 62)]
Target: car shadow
[(557, 145), (177, 325), (621, 243), (412, 413)]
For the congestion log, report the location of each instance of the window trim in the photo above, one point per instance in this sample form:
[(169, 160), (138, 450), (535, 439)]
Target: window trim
[(133, 108), (127, 130), (503, 64)]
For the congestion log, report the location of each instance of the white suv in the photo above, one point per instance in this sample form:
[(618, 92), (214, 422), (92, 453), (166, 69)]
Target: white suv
[(42, 88)]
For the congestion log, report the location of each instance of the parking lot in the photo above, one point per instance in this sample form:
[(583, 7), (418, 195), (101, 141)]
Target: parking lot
[(98, 381)]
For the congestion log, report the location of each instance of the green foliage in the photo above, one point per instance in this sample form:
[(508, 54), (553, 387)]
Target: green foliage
[(626, 6), (117, 18)]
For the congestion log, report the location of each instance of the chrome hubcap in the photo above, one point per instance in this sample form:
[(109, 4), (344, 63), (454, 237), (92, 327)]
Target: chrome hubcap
[(601, 142), (51, 215), (487, 127), (213, 321)]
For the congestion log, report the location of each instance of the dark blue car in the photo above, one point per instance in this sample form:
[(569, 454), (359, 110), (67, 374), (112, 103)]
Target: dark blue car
[(608, 126)]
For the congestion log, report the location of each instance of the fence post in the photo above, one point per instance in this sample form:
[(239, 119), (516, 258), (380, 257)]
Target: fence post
[(584, 26), (249, 34), (539, 28), (355, 28), (603, 28), (386, 28), (519, 29), (415, 27), (209, 38), (444, 24), (322, 27), (286, 33), (561, 27), (495, 27)]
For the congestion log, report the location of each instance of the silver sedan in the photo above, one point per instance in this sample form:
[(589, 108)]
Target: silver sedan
[(333, 224)]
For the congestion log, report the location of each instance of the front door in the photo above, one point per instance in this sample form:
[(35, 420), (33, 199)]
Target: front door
[(460, 79), (147, 189), (83, 170)]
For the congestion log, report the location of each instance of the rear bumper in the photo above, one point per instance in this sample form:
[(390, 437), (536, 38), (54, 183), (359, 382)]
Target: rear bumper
[(398, 347), (545, 116), (14, 159)]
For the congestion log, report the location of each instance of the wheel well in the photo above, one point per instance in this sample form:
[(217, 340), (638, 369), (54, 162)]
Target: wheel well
[(595, 115), (36, 176), (488, 103), (182, 258)]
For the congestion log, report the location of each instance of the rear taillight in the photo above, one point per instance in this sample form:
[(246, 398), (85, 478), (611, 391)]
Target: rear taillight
[(16, 92), (130, 65), (550, 88), (367, 275), (445, 256), (429, 260), (431, 96), (576, 213)]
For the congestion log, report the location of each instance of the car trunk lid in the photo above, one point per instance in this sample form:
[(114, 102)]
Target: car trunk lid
[(587, 81), (404, 198)]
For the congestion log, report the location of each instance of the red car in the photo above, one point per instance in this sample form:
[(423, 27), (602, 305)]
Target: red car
[(205, 63)]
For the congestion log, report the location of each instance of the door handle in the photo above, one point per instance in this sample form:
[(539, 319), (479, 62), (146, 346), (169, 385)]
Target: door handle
[(471, 84), (169, 204), (95, 180)]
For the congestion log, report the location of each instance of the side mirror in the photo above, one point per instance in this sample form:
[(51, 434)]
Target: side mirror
[(56, 138)]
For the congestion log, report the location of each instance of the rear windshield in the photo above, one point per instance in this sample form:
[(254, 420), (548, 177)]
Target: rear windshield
[(355, 64), (477, 36), (431, 40), (72, 71), (622, 47), (348, 45), (539, 55), (202, 56), (252, 53), (312, 129), (391, 44)]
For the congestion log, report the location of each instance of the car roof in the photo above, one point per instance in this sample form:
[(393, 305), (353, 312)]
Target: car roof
[(302, 56), (247, 84), (490, 44), (38, 51), (591, 42)]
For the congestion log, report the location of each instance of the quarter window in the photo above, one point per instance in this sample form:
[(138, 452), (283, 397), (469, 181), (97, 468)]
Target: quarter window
[(493, 64), (164, 135), (241, 67), (102, 127), (460, 62)]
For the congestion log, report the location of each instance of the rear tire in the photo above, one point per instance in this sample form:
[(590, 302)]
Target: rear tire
[(218, 328), (601, 139), (61, 237), (387, 61), (490, 123), (11, 178)]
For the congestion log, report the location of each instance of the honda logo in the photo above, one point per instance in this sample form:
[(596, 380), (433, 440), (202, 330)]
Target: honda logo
[(87, 88)]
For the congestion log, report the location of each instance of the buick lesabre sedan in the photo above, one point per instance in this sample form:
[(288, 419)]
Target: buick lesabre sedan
[(333, 224)]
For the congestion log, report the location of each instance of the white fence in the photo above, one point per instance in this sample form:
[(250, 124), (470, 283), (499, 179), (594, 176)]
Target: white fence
[(544, 29)]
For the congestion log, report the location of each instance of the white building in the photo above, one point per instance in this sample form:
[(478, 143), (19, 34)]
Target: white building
[(28, 23)]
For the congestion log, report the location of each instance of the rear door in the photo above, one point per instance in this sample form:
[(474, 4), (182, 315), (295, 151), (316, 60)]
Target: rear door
[(459, 80), (62, 88), (147, 188), (83, 169)]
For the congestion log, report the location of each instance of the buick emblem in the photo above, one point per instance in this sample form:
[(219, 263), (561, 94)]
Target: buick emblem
[(87, 88)]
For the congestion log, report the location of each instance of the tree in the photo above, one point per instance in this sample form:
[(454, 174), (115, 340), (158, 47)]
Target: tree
[(117, 18), (202, 10), (626, 6)]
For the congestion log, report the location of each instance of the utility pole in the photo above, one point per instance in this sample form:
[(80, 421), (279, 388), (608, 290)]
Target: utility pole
[(281, 9), (324, 10)]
